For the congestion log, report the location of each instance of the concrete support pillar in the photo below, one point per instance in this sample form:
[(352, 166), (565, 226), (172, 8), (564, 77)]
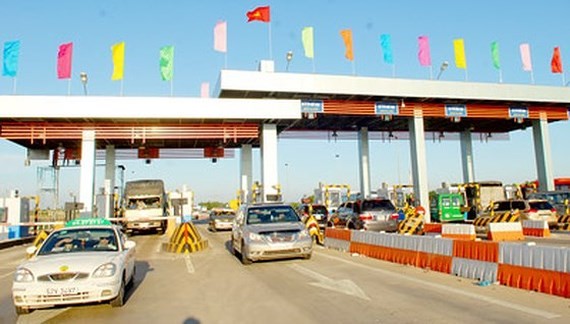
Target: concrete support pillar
[(269, 177), (364, 162), (419, 165), (246, 172), (109, 181), (87, 177), (467, 156), (542, 153)]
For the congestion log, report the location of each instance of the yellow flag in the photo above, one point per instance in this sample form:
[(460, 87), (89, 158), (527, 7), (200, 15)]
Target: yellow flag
[(118, 51), (307, 37), (459, 49)]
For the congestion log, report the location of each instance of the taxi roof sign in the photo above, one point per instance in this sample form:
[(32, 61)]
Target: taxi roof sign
[(88, 222)]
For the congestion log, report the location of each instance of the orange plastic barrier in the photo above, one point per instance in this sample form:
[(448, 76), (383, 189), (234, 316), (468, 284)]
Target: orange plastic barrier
[(341, 234), (539, 232), (463, 237), (440, 263), (476, 250), (544, 281), (505, 232), (432, 228)]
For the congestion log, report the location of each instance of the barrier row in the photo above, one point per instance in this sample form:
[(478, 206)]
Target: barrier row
[(544, 269)]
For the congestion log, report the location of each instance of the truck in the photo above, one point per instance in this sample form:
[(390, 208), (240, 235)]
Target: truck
[(476, 195), (146, 203)]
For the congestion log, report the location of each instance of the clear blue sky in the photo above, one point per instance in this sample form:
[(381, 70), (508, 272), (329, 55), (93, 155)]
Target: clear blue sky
[(145, 26)]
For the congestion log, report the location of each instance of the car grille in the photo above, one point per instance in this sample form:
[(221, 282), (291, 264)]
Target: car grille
[(280, 236), (279, 252), (46, 299), (66, 276)]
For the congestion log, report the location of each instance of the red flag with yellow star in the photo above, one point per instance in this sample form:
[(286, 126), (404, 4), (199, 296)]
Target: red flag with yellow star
[(259, 14)]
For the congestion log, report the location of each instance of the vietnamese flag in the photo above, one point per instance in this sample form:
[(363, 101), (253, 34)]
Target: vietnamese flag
[(556, 62), (260, 14)]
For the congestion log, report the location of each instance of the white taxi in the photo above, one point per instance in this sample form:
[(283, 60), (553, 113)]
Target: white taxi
[(88, 260)]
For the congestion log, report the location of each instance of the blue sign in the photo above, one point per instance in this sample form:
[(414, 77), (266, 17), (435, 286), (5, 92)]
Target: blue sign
[(312, 106), (518, 112), (386, 108), (455, 110)]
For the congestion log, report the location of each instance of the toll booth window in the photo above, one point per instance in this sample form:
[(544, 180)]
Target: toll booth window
[(445, 202)]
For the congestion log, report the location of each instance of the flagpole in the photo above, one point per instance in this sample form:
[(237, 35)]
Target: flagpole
[(69, 86), (353, 68), (466, 79), (393, 70), (121, 91), (171, 86), (431, 72), (270, 47), (14, 86), (531, 77), (500, 76), (226, 60), (563, 80)]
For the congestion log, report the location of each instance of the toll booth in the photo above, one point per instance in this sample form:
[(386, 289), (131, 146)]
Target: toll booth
[(15, 210)]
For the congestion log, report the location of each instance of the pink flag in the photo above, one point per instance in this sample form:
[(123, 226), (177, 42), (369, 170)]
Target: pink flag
[(423, 51), (64, 61), (205, 90), (525, 57), (220, 37)]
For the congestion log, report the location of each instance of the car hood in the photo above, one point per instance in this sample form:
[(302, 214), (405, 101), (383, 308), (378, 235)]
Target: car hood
[(72, 262), (276, 227)]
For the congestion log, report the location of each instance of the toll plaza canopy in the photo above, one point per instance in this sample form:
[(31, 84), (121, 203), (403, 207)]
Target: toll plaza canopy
[(296, 103)]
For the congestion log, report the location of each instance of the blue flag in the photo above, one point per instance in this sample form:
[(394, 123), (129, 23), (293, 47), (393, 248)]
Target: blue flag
[(386, 44), (11, 53)]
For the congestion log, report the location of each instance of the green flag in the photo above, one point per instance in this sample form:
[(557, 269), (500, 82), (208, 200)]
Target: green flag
[(166, 62), (495, 54)]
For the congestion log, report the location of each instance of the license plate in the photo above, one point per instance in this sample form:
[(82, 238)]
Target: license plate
[(143, 225), (61, 291)]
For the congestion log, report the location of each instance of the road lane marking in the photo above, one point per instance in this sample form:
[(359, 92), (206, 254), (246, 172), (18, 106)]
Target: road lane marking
[(41, 316), (491, 300), (7, 275), (189, 265), (344, 286)]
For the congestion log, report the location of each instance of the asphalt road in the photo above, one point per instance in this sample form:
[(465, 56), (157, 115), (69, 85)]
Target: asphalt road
[(212, 286)]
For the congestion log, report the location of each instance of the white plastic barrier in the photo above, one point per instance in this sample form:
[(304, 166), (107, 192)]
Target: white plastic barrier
[(436, 245), (458, 231), (337, 244), (474, 269), (538, 257)]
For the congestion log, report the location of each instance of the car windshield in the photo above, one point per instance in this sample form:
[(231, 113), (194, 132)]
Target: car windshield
[(271, 214), (320, 210), (377, 205), (79, 240), (540, 205), (223, 214)]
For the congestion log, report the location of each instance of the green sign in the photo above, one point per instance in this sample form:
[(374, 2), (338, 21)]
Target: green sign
[(87, 222)]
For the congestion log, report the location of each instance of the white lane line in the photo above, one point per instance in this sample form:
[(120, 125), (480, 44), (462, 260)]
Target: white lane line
[(41, 316), (11, 273), (525, 309), (344, 286), (189, 265)]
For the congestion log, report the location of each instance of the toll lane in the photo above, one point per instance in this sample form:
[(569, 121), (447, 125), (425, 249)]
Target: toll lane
[(212, 286)]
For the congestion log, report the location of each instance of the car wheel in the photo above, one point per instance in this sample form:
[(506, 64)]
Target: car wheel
[(350, 226), (22, 310), (244, 259), (330, 224), (119, 301)]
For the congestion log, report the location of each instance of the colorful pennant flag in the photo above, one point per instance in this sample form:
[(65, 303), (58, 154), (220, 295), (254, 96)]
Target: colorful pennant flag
[(64, 56), (118, 52), (525, 57), (308, 42), (11, 54), (459, 50), (221, 37), (556, 62), (166, 62), (259, 14), (347, 38), (424, 55), (495, 55), (386, 45)]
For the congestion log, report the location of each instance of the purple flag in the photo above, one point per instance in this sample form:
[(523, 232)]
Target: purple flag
[(424, 55)]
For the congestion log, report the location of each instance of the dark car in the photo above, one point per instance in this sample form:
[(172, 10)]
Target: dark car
[(367, 214), (320, 213)]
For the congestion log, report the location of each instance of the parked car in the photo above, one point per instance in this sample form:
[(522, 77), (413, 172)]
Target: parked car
[(88, 260), (320, 213), (221, 219), (269, 231), (531, 209), (367, 214), (557, 198)]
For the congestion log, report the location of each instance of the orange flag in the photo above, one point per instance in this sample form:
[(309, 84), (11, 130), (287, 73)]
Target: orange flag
[(556, 62), (259, 14), (347, 38)]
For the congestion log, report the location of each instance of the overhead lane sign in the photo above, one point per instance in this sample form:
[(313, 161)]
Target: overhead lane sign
[(312, 106), (386, 108), (455, 110)]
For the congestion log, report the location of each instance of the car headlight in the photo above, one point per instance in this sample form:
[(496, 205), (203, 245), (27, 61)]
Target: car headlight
[(105, 270), (255, 237), (23, 275), (304, 233)]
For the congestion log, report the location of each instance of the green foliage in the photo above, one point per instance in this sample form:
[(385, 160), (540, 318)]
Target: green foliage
[(213, 204)]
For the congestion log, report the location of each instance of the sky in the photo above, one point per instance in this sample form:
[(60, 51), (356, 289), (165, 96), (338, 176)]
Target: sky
[(145, 26)]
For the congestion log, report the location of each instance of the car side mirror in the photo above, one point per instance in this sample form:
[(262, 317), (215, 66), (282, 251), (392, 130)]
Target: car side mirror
[(130, 244), (31, 250)]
